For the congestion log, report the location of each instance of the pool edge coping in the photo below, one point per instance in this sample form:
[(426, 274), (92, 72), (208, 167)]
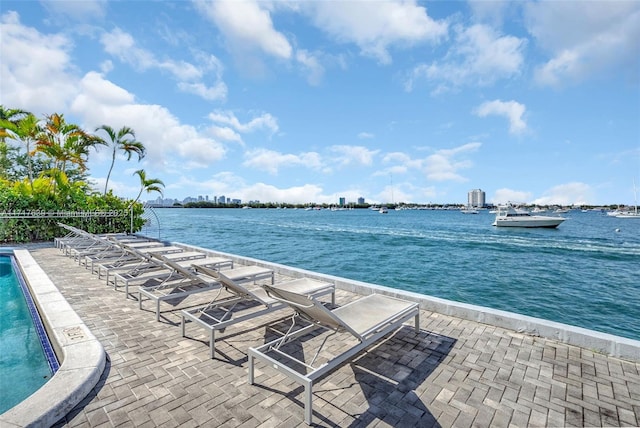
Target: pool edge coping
[(82, 357)]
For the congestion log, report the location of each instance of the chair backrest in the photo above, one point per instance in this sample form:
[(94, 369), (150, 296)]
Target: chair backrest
[(229, 283), (142, 256), (308, 308), (175, 266)]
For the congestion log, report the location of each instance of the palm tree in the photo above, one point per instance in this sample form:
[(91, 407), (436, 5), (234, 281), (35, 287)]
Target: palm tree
[(65, 143), (124, 141), (148, 184), (27, 130), (11, 116)]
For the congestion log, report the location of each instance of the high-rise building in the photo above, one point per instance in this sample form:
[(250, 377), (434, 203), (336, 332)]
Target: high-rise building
[(476, 198), (343, 202)]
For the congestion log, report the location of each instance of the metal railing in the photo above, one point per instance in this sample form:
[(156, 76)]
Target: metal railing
[(62, 214)]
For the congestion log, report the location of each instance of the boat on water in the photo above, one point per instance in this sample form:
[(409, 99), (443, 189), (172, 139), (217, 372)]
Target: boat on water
[(631, 213), (509, 216), (469, 210), (383, 210)]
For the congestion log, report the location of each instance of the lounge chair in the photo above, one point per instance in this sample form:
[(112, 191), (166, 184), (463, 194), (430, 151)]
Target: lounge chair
[(132, 266), (147, 271), (185, 283), (79, 241), (223, 312), (368, 319)]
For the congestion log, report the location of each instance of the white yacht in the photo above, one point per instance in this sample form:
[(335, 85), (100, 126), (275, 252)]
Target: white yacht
[(631, 213), (508, 216)]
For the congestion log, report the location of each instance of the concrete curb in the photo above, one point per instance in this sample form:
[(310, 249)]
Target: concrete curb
[(82, 357)]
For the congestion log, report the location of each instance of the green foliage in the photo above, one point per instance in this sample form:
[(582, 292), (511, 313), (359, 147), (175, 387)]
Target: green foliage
[(44, 178), (18, 198)]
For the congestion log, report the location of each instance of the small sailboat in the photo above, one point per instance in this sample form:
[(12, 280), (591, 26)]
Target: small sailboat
[(629, 213)]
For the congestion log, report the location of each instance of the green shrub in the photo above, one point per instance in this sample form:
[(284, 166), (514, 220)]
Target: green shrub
[(20, 198)]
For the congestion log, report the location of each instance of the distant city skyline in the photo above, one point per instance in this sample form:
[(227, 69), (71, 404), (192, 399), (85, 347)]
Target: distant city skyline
[(475, 199)]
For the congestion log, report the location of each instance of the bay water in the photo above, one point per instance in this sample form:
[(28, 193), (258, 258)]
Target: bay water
[(585, 273)]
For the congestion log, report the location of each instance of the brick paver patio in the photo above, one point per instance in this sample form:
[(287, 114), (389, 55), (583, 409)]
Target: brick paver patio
[(453, 373)]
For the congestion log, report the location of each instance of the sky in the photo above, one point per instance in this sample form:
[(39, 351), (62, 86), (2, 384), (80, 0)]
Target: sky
[(533, 102)]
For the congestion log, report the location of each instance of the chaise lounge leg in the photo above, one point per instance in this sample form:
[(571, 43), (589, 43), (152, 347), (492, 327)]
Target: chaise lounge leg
[(212, 343), (250, 362), (308, 397), (418, 322)]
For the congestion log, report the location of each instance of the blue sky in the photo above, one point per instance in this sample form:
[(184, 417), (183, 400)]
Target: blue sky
[(394, 101)]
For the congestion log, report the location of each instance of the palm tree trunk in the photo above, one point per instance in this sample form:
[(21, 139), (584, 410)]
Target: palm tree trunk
[(113, 161)]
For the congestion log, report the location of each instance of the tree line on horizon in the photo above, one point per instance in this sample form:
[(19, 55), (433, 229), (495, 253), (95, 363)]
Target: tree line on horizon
[(43, 167)]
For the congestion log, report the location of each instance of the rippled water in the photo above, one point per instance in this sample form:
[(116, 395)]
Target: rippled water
[(585, 273)]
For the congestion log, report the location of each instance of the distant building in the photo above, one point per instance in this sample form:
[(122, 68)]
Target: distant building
[(342, 202), (360, 200), (222, 200), (476, 198)]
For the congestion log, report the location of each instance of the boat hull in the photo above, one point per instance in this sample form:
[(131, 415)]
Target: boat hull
[(548, 223), (629, 215)]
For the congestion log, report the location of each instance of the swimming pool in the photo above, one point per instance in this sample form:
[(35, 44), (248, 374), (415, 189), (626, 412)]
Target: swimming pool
[(27, 360)]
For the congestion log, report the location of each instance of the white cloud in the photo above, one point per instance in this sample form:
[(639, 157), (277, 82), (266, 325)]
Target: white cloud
[(247, 26), (403, 162), (271, 161), (348, 155), (225, 133), (212, 93), (264, 121), (585, 40), (492, 12), (387, 23), (365, 135), (479, 56), (173, 146), (444, 165), (512, 110), (105, 93), (36, 73), (190, 77), (311, 64), (78, 10), (567, 194), (504, 196)]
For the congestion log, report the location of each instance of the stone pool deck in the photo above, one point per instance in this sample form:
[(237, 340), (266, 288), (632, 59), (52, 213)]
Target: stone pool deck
[(455, 372)]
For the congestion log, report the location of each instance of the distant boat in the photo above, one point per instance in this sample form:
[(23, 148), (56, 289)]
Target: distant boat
[(508, 216), (629, 213), (383, 210), (469, 210)]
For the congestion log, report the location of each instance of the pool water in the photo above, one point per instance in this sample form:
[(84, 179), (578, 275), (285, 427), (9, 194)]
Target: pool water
[(24, 347)]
